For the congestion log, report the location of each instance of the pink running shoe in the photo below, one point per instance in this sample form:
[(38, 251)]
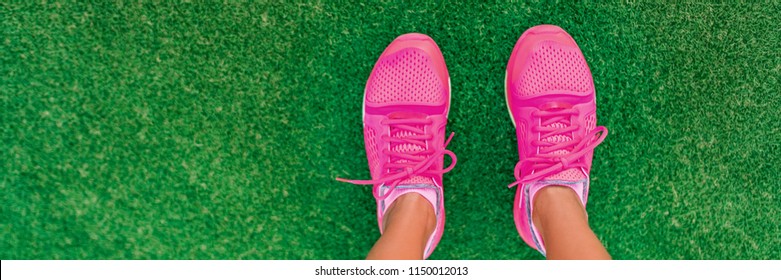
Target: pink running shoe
[(406, 103), (550, 96)]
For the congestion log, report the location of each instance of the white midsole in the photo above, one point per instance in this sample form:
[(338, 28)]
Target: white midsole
[(507, 99)]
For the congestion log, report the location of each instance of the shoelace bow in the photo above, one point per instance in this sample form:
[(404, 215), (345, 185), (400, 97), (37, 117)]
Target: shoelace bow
[(545, 163), (405, 165)]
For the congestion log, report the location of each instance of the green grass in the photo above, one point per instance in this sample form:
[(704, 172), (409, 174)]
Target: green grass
[(215, 131)]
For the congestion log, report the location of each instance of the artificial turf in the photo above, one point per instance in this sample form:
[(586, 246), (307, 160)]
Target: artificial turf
[(154, 130)]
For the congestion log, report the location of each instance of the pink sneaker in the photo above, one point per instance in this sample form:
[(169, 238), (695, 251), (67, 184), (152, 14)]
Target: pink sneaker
[(406, 103), (550, 96)]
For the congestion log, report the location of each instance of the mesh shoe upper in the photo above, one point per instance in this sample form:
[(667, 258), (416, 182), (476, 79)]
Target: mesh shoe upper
[(405, 76), (554, 67)]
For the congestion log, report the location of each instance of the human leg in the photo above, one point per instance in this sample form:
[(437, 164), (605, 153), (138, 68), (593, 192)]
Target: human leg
[(563, 224), (409, 223)]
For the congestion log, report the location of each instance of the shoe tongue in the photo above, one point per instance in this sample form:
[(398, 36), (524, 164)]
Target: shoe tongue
[(407, 147), (415, 180), (570, 174)]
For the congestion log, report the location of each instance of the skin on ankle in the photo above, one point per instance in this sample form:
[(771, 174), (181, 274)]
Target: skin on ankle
[(408, 224), (562, 222)]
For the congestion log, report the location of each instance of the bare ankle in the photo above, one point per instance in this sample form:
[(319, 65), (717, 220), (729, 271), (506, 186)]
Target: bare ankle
[(554, 202), (553, 195), (412, 208)]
